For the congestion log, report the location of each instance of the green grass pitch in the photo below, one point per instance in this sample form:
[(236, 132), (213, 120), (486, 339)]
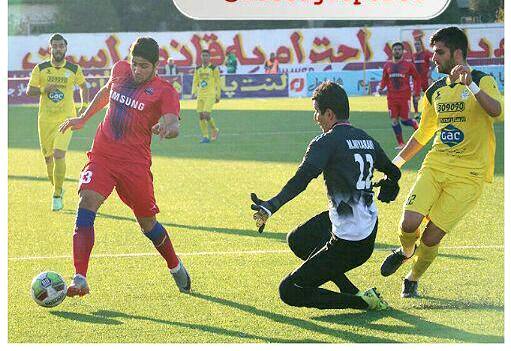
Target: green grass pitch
[(203, 194)]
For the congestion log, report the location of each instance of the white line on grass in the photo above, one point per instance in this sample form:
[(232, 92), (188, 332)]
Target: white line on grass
[(225, 253)]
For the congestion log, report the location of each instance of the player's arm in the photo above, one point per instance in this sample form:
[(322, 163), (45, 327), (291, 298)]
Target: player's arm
[(427, 128), (313, 163), (389, 186), (195, 82), (99, 101), (218, 88), (384, 80), (34, 84), (167, 127), (416, 80), (491, 105), (84, 90)]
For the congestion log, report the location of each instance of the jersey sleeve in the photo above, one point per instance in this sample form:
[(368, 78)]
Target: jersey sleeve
[(489, 86), (428, 123), (416, 80), (385, 78), (318, 152), (35, 78), (169, 102), (79, 76)]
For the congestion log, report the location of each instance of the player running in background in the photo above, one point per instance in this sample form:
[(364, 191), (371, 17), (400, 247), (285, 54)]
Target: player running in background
[(396, 78), (140, 104), (54, 82), (460, 110), (422, 62), (206, 86), (342, 238)]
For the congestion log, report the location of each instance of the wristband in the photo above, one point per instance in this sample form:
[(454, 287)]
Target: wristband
[(398, 161), (474, 88)]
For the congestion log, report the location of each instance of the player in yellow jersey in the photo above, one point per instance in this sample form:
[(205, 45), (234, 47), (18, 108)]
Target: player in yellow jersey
[(206, 86), (459, 110), (54, 82)]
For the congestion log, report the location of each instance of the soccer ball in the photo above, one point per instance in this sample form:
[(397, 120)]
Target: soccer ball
[(48, 289)]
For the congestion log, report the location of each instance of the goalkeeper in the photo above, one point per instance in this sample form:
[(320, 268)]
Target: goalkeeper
[(342, 238)]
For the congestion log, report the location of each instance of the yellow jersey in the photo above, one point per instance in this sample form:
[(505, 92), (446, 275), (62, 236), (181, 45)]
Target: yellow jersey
[(464, 143), (61, 101), (206, 82)]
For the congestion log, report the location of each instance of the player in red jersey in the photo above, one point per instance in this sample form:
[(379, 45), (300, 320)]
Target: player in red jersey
[(422, 62), (396, 78), (140, 104)]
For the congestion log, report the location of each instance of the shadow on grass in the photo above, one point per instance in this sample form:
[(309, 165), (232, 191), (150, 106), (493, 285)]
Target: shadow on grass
[(277, 236), (110, 317), (38, 179), (416, 326), (306, 325)]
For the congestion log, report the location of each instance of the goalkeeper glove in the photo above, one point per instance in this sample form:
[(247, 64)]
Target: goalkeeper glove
[(263, 211), (388, 189)]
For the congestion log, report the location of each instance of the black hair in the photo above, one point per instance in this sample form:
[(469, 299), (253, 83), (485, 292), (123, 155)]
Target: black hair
[(331, 95), (205, 51), (57, 36), (146, 48), (398, 43), (452, 37)]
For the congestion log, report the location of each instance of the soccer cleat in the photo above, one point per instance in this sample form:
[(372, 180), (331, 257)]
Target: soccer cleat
[(58, 202), (204, 140), (399, 147), (78, 286), (393, 262), (182, 279), (410, 289), (214, 134), (373, 299)]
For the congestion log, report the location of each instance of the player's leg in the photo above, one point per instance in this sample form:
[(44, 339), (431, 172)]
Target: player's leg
[(396, 127), (46, 144), (421, 198), (405, 115), (208, 108), (301, 288), (135, 188), (203, 124), (60, 146), (96, 184), (155, 232), (415, 100), (309, 237), (458, 197)]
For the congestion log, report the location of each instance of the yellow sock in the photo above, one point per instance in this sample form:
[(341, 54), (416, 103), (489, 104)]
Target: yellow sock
[(49, 169), (425, 255), (212, 123), (408, 241), (59, 173), (204, 128)]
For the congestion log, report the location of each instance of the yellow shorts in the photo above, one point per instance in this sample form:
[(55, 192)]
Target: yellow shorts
[(49, 136), (442, 197), (205, 104)]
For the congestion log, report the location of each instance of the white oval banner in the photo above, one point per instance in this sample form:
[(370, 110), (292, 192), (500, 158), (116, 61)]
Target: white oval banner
[(311, 9)]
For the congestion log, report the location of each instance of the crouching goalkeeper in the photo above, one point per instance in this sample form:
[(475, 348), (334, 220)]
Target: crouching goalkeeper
[(335, 241)]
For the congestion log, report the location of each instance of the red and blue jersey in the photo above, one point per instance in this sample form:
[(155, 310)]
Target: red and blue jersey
[(396, 77), (125, 134), (422, 61)]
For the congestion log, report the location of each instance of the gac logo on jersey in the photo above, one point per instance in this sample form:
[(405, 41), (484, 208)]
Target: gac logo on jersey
[(451, 135), (458, 106), (56, 96), (203, 84)]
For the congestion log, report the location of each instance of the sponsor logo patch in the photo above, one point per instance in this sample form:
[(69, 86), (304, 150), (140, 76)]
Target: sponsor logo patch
[(56, 96), (458, 106), (451, 135)]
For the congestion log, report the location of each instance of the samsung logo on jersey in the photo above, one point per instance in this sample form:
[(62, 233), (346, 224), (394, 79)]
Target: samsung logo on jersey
[(451, 135), (126, 100), (360, 144), (396, 75)]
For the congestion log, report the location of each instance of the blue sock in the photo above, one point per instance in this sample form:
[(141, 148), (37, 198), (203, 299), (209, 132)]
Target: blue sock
[(409, 122), (397, 128), (157, 234), (85, 218)]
